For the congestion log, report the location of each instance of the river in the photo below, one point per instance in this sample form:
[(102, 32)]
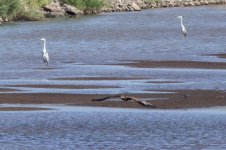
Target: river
[(93, 46), (106, 128)]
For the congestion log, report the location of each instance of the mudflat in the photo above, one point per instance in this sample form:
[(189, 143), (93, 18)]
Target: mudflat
[(173, 100), (177, 64), (177, 99)]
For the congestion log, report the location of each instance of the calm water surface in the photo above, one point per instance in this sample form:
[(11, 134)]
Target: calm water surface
[(89, 46), (105, 128)]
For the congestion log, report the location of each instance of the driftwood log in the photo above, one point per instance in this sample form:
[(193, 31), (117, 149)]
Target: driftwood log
[(127, 98)]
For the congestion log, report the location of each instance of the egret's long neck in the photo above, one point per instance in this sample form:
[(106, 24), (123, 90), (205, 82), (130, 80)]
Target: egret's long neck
[(181, 21), (44, 47)]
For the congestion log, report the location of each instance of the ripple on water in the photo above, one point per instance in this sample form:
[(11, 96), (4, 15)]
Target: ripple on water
[(96, 128)]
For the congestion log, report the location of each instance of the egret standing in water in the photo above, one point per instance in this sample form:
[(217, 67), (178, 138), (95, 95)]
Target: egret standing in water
[(45, 55), (183, 29)]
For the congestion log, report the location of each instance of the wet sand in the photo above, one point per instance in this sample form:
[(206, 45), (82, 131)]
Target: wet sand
[(62, 86), (95, 78), (177, 100), (177, 64), (8, 90), (220, 55), (22, 109)]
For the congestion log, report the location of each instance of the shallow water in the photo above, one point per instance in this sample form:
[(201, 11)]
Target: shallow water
[(106, 128), (83, 47), (88, 47)]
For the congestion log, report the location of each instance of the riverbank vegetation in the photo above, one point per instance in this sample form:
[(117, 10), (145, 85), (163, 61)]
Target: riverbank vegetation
[(30, 10), (9, 8), (22, 9)]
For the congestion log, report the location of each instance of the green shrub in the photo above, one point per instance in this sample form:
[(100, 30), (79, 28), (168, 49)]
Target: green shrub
[(22, 9), (9, 8), (93, 4), (30, 10), (31, 15), (35, 3)]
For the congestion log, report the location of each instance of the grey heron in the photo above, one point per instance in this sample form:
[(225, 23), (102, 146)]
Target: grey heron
[(45, 55), (183, 29)]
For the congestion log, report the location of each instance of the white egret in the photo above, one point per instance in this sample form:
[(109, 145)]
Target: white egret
[(183, 29), (45, 55)]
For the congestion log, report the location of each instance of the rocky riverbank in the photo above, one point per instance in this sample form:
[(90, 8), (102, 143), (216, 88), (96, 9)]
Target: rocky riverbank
[(55, 8), (58, 9), (137, 5)]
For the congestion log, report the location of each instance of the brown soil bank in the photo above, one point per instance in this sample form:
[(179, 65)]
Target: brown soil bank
[(176, 100), (176, 64), (22, 109)]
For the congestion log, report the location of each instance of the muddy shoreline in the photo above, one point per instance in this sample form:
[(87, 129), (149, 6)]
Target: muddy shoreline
[(176, 64), (178, 99), (22, 109)]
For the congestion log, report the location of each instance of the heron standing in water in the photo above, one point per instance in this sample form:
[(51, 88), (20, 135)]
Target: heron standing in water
[(45, 55), (183, 29)]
